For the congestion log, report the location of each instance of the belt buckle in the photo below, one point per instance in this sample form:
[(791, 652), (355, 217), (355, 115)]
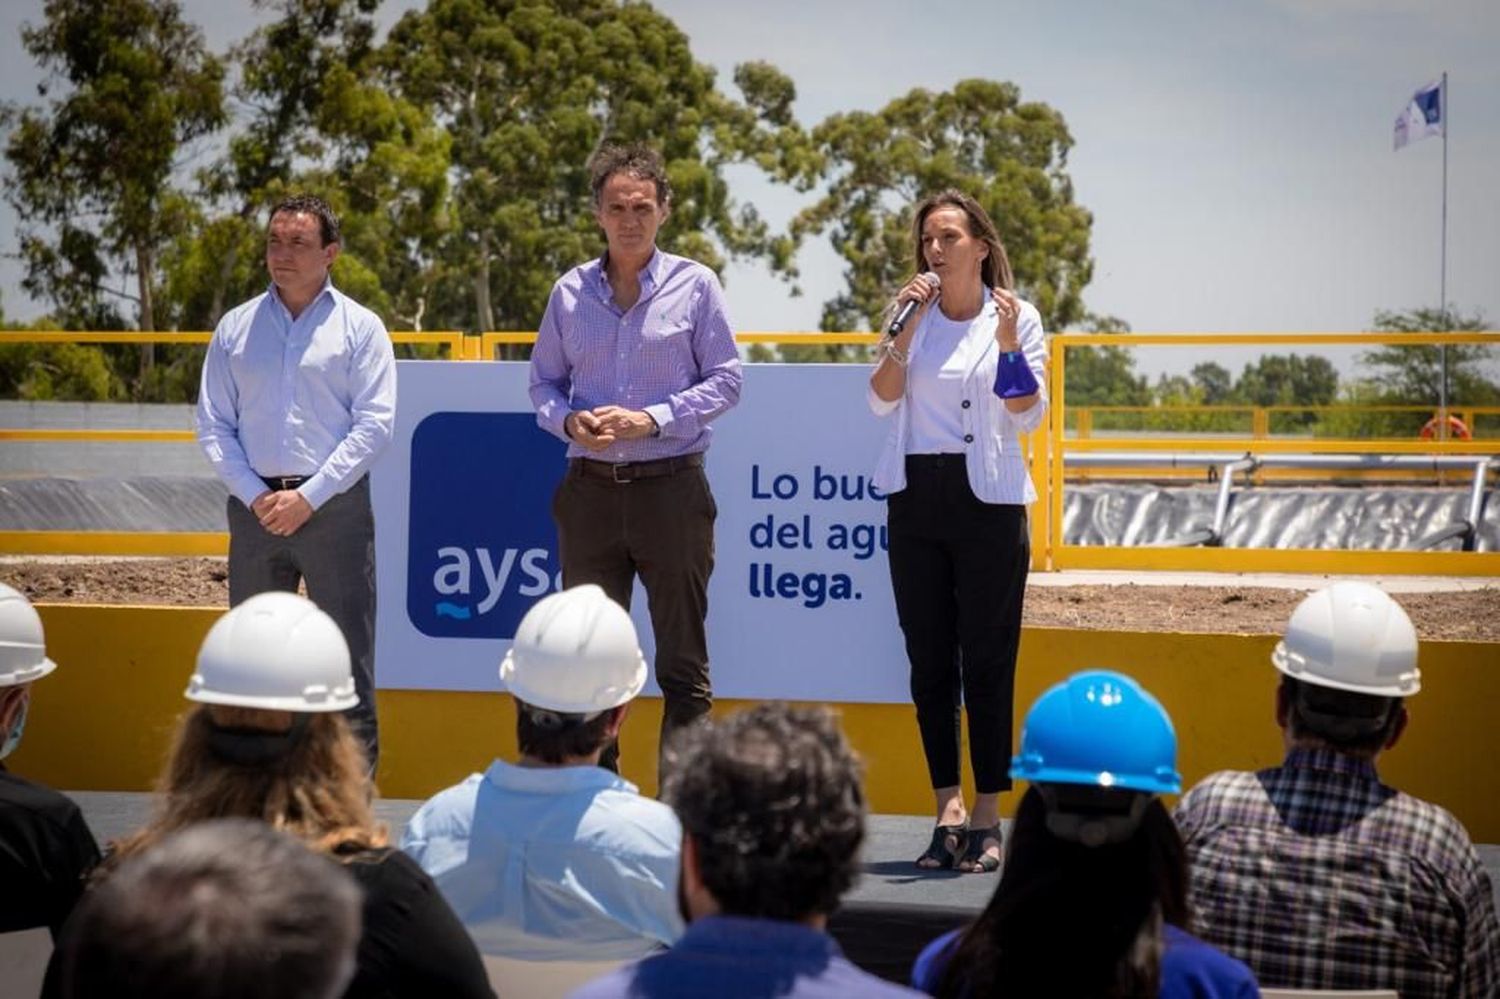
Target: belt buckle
[(614, 472)]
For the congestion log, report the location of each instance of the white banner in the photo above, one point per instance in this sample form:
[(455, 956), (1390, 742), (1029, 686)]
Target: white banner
[(800, 604)]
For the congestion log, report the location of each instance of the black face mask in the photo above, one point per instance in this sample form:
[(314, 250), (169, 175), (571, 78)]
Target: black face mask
[(255, 747)]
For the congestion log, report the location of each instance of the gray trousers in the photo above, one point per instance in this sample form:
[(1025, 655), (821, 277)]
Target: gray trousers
[(334, 554)]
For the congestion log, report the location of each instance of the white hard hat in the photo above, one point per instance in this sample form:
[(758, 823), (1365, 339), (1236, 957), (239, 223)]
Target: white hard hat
[(23, 648), (1351, 636), (275, 651), (576, 652)]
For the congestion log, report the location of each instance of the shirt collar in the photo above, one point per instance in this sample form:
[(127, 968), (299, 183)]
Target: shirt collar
[(327, 289), (1331, 760), (650, 274), (745, 933), (556, 780)]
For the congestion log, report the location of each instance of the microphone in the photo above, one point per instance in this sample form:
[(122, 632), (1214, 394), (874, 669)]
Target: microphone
[(910, 306)]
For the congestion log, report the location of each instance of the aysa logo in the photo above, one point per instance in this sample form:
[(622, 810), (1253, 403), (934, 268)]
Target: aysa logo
[(482, 547)]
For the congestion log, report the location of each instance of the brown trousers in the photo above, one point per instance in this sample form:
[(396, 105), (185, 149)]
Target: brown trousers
[(661, 529)]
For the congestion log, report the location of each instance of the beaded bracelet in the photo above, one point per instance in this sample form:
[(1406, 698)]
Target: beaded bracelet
[(895, 353)]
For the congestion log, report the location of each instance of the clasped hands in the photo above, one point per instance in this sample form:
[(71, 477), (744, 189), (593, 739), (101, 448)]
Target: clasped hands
[(598, 428), (281, 512)]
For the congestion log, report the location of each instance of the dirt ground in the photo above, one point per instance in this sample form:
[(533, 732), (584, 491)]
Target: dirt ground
[(1472, 616)]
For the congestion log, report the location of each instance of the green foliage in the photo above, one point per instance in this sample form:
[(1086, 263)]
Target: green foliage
[(90, 172), (527, 92), (456, 153), (1103, 376), (54, 371), (979, 137), (1288, 380), (1212, 383), (51, 371), (1413, 375)]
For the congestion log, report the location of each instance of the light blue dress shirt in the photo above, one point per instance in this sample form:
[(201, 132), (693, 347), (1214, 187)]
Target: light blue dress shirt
[(553, 863), (312, 396)]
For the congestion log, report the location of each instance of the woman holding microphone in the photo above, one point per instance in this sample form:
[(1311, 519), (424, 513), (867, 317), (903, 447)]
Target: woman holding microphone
[(962, 376)]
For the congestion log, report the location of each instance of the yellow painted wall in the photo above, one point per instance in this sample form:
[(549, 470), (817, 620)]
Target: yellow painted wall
[(103, 720)]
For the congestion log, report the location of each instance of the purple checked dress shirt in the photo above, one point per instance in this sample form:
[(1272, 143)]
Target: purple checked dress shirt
[(672, 354)]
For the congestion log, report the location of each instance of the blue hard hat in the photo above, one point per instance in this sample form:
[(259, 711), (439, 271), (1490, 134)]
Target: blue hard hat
[(1099, 728)]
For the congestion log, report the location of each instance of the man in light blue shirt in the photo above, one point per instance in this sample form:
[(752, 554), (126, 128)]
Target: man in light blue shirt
[(555, 858), (298, 400)]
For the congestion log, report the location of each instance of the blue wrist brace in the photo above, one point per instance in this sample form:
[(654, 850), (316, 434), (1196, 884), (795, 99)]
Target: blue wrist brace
[(1013, 377)]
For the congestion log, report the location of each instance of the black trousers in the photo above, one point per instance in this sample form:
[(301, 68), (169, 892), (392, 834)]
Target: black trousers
[(958, 571), (334, 553), (661, 528)]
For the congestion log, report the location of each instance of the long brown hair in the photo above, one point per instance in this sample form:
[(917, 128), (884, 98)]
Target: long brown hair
[(994, 269), (1073, 920), (320, 792)]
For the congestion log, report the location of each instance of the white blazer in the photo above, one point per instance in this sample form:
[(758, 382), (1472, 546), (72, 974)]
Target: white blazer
[(992, 452)]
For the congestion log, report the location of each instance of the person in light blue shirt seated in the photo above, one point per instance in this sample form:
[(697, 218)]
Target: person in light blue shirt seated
[(555, 858), (1092, 901), (773, 816)]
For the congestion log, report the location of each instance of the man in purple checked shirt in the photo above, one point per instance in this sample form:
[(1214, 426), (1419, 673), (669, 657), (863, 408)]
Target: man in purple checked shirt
[(634, 359)]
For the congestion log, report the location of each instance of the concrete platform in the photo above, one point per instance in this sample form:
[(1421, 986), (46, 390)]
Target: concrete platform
[(890, 876)]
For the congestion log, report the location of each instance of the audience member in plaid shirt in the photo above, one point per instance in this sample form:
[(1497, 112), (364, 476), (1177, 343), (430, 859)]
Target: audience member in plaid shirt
[(1315, 873)]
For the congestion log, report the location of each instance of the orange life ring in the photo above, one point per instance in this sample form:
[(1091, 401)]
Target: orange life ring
[(1457, 429)]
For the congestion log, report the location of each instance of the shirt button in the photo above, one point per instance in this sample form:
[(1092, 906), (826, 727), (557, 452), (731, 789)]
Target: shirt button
[(968, 438), (966, 404)]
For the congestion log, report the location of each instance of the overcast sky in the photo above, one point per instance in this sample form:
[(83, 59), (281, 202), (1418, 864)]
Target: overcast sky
[(1236, 154)]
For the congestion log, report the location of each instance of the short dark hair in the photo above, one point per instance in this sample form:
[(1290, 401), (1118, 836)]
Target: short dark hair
[(636, 159), (328, 221), (229, 908), (554, 736), (771, 797), (1347, 721)]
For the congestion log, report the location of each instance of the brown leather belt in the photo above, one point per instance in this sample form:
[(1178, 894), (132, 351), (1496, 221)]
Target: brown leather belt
[(629, 471)]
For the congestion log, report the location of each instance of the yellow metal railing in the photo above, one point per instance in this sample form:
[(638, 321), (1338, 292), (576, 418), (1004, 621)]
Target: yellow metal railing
[(496, 338), (1047, 451), (1052, 482), (1257, 418), (452, 339)]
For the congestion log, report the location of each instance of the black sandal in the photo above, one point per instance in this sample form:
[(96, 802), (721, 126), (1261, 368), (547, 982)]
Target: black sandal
[(938, 851), (980, 862)]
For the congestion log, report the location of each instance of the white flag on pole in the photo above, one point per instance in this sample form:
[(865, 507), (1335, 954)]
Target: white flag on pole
[(1422, 117)]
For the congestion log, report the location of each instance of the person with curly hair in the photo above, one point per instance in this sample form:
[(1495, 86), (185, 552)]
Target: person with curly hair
[(634, 361), (773, 816)]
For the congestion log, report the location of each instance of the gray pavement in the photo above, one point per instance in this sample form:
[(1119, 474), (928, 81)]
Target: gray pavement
[(890, 876)]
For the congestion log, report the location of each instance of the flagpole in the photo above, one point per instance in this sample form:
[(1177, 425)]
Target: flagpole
[(1443, 271)]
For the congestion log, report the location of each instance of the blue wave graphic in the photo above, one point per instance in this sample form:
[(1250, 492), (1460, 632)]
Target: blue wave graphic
[(459, 612)]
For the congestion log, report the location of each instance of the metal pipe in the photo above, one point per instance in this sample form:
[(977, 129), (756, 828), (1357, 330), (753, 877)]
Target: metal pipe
[(1208, 459), (1226, 486), (1476, 494)]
